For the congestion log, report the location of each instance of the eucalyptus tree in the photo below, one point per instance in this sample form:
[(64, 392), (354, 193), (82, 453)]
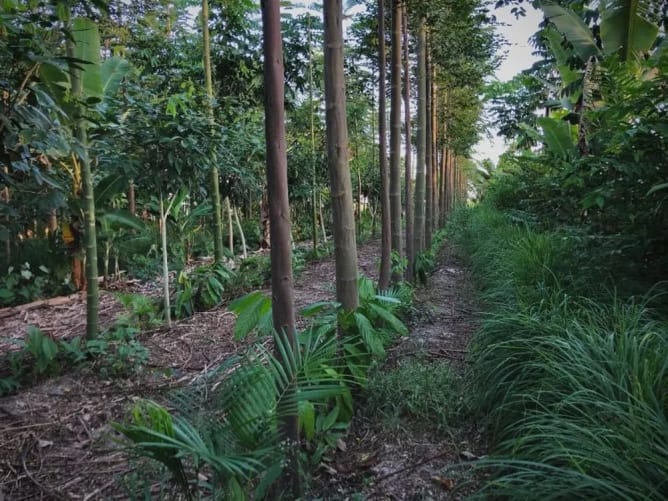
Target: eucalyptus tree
[(395, 132), (408, 160), (281, 252), (345, 245), (385, 211), (419, 225)]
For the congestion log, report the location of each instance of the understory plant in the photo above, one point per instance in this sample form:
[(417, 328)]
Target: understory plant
[(225, 440), (570, 379)]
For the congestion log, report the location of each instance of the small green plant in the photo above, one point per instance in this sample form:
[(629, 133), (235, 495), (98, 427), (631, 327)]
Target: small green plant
[(417, 393), (118, 352), (399, 263), (201, 290), (25, 284), (423, 266), (44, 351), (254, 272), (142, 311)]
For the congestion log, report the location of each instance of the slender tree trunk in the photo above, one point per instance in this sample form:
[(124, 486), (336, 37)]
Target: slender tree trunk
[(165, 265), (244, 252), (434, 152), (90, 236), (5, 197), (132, 202), (441, 181), (279, 214), (230, 226), (215, 186), (322, 220), (429, 167), (408, 174), (395, 133), (418, 240), (345, 245), (385, 210), (314, 174)]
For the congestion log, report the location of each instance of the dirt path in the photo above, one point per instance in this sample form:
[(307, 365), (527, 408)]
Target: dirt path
[(55, 436), (407, 464)]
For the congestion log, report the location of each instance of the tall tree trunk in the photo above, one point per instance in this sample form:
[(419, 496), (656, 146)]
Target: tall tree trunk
[(441, 181), (418, 240), (314, 174), (434, 157), (385, 210), (90, 236), (408, 174), (279, 215), (215, 186), (5, 197), (429, 167), (345, 244), (395, 133)]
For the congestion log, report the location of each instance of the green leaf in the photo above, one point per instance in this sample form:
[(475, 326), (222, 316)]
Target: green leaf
[(561, 55), (57, 82), (625, 32), (112, 72), (369, 334), (108, 187), (87, 49), (120, 219), (307, 419), (557, 137), (330, 418), (656, 188), (252, 310), (573, 28), (389, 317), (318, 307)]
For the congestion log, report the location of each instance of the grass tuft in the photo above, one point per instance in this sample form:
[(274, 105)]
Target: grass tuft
[(571, 380)]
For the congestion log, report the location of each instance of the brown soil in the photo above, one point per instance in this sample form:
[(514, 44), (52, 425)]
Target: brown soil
[(56, 441)]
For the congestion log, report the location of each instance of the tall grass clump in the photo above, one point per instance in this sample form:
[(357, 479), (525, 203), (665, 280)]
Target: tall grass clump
[(573, 385)]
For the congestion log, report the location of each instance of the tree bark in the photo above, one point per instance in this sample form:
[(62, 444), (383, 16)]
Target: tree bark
[(434, 152), (345, 244), (395, 133), (429, 167), (408, 174), (90, 236), (418, 240), (279, 216), (132, 202), (385, 210), (215, 187)]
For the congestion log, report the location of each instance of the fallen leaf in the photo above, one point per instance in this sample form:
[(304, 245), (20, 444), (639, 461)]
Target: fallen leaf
[(469, 456), (329, 469), (44, 443), (341, 445), (446, 483)]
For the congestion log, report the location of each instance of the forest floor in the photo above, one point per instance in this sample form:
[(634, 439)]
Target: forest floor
[(56, 441)]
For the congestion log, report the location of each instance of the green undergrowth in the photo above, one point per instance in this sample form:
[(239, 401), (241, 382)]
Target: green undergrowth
[(416, 394), (569, 374), (223, 440)]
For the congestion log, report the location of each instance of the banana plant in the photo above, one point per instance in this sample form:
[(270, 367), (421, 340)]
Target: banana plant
[(79, 86), (624, 34)]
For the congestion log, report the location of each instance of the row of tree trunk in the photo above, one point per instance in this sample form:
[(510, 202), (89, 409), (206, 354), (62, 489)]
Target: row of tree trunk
[(437, 184)]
